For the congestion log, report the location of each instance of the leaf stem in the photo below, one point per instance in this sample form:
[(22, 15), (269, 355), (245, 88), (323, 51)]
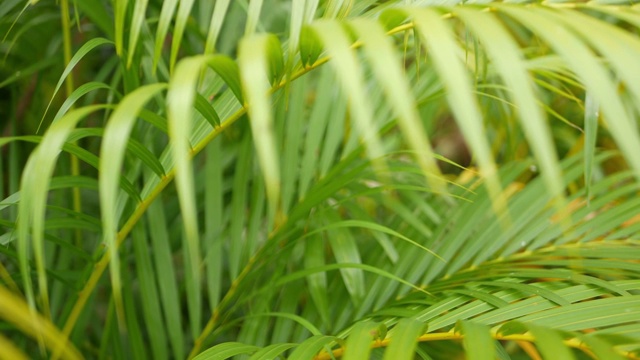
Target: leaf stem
[(69, 86), (456, 336)]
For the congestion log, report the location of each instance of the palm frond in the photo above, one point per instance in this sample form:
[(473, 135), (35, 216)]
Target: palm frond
[(319, 209)]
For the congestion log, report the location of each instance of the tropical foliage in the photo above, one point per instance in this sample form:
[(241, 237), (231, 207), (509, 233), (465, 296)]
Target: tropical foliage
[(319, 179)]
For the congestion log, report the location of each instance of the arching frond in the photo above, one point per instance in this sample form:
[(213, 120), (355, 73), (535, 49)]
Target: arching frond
[(384, 179)]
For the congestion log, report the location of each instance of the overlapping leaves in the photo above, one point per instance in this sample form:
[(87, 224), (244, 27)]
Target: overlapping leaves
[(316, 222)]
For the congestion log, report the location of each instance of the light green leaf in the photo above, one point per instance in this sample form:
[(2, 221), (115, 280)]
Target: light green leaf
[(31, 210), (10, 351), (359, 341), (120, 13), (166, 14), (77, 94), (477, 341), (217, 20), (15, 311), (253, 17), (349, 74), (386, 66), (254, 68), (440, 43), (550, 343), (590, 314), (184, 9), (375, 227), (508, 60), (115, 139), (228, 70), (225, 351), (311, 346), (271, 351), (404, 338), (180, 101), (137, 21), (84, 50)]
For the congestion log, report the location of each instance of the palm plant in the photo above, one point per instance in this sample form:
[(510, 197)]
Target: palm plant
[(353, 179)]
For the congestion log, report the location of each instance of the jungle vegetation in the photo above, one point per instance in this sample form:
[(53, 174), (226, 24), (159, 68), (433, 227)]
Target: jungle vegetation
[(307, 179)]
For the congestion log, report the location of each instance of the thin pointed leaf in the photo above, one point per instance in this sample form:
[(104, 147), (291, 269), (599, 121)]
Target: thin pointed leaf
[(228, 70), (166, 275), (217, 20), (213, 210), (137, 21), (349, 73), (359, 341), (441, 45), (477, 341), (151, 310), (15, 311), (84, 50), (225, 351), (116, 134), (166, 14), (271, 351), (31, 210), (253, 17), (120, 13), (253, 59), (502, 49), (404, 340), (77, 94), (207, 111), (380, 53), (311, 347), (181, 98), (184, 9)]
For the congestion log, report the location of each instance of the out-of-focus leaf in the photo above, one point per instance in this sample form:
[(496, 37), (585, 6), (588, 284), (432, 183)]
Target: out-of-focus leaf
[(477, 341), (225, 351)]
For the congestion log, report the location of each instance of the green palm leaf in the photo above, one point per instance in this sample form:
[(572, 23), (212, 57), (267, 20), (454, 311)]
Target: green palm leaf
[(353, 179)]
